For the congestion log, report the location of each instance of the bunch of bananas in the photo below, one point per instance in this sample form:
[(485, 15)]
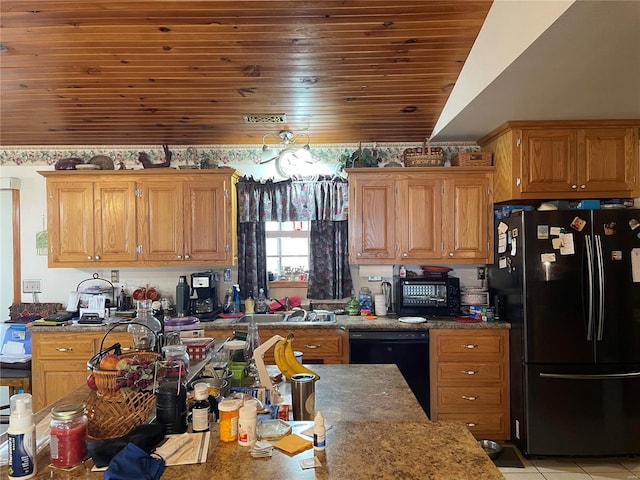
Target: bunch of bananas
[(286, 359)]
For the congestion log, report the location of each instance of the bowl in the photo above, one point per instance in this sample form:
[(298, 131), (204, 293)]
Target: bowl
[(491, 448)]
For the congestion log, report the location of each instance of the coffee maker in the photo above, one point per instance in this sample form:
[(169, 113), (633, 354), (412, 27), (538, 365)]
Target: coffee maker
[(205, 306)]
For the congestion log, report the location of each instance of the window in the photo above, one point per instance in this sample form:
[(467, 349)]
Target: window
[(288, 249)]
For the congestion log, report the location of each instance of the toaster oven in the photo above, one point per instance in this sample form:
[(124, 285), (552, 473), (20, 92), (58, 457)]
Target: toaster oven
[(428, 296)]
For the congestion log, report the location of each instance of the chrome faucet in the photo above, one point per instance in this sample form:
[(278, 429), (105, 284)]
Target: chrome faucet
[(286, 305)]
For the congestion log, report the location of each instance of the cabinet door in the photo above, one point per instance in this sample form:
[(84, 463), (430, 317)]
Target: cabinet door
[(606, 160), (466, 218), (420, 219), (161, 220), (206, 221), (372, 219), (115, 221), (70, 213), (548, 162)]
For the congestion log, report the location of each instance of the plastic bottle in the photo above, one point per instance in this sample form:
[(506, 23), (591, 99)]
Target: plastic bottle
[(200, 412), (261, 304), (229, 412), (319, 432), (249, 305), (236, 298), (247, 425), (22, 438), (227, 304), (403, 271)]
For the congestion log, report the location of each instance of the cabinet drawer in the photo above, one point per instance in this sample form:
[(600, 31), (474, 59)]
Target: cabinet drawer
[(125, 339), (455, 345), (467, 373), (471, 397), (481, 425), (59, 347)]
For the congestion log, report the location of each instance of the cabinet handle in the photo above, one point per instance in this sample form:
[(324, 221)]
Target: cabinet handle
[(471, 424), (574, 186), (359, 254), (312, 347), (583, 186), (187, 257), (64, 349), (451, 254), (469, 345), (471, 399), (89, 257), (179, 257), (97, 257), (405, 254), (469, 372)]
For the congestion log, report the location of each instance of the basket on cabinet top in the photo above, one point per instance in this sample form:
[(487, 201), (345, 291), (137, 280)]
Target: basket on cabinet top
[(425, 156)]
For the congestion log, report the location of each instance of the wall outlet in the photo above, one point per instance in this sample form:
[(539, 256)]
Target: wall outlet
[(32, 286), (482, 273), (115, 276)]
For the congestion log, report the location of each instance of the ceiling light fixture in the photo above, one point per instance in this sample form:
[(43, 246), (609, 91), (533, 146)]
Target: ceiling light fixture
[(287, 138), (287, 153)]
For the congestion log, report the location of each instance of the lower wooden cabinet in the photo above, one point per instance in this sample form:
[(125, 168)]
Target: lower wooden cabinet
[(59, 361), (469, 370), (317, 345)]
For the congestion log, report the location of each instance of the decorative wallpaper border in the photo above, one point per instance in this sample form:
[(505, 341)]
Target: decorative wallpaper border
[(210, 155)]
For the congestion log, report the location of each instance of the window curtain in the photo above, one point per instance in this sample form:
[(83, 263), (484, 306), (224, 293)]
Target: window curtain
[(321, 201)]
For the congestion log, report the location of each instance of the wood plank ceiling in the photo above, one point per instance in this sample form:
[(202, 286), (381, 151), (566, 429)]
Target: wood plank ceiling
[(109, 72)]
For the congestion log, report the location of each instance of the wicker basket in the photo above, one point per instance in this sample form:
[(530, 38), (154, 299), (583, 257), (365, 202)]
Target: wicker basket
[(424, 157), (106, 379), (472, 159), (117, 414)]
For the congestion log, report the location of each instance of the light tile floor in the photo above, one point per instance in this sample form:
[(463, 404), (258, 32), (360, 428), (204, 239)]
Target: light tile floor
[(561, 468)]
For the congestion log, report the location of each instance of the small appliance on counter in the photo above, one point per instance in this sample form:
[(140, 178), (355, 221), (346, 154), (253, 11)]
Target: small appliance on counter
[(435, 293), (205, 306)]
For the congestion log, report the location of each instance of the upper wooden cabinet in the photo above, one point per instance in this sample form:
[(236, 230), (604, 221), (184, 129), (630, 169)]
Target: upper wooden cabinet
[(578, 159), (410, 215), (155, 217)]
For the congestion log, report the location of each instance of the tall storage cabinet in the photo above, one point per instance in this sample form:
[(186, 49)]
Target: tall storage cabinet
[(156, 217), (399, 215)]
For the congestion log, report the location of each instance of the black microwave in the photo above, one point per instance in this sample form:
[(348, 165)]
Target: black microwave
[(427, 296)]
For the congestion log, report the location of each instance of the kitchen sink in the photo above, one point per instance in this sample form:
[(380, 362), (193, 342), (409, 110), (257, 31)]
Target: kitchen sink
[(296, 316), (263, 318), (313, 317)]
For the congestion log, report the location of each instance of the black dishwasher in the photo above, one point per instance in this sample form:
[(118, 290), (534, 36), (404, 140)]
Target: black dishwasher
[(408, 349)]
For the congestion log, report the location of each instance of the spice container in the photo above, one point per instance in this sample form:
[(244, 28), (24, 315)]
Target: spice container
[(229, 411), (68, 435)]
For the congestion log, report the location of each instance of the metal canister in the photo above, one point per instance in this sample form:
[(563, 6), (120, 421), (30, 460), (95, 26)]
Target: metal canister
[(303, 396)]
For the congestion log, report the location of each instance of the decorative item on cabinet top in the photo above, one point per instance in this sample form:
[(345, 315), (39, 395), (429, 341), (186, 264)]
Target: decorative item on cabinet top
[(427, 156)]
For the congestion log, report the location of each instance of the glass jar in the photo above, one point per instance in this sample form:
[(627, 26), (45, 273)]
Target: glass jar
[(177, 360), (145, 328), (352, 307), (68, 435)]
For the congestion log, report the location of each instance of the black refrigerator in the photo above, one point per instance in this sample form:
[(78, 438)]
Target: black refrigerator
[(568, 281)]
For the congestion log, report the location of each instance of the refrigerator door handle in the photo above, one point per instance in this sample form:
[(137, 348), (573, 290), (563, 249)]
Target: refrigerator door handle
[(604, 376), (600, 263), (590, 319)]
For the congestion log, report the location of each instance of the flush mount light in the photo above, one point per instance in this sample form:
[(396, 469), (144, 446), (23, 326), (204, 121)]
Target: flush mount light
[(286, 151)]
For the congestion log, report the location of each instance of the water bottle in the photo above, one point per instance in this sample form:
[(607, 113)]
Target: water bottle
[(236, 298), (182, 297), (261, 304)]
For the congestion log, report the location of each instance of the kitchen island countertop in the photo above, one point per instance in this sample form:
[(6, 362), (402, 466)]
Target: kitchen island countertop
[(379, 431)]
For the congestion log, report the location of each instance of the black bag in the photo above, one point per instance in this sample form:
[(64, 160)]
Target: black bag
[(147, 437)]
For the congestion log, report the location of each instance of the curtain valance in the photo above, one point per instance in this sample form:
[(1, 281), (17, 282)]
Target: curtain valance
[(324, 198)]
